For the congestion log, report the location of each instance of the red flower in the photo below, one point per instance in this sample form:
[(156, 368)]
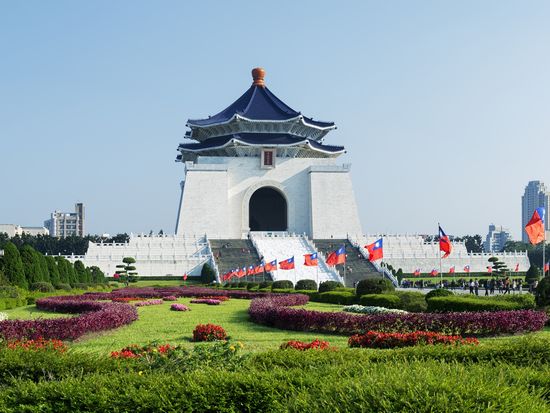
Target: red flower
[(209, 332)]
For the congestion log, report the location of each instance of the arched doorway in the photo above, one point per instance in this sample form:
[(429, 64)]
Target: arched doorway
[(267, 210)]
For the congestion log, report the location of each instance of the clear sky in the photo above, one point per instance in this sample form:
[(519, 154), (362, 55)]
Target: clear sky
[(443, 106)]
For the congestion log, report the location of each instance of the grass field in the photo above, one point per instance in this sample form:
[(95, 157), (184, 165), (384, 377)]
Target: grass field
[(158, 323)]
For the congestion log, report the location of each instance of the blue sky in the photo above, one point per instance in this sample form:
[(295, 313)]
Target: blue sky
[(443, 106)]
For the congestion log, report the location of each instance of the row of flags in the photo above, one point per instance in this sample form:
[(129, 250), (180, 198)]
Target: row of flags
[(452, 270), (310, 260)]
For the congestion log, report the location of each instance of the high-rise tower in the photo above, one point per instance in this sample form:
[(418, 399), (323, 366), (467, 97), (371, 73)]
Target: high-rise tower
[(536, 195)]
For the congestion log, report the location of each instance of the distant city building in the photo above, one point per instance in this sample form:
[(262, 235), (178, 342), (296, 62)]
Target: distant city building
[(536, 195), (13, 229), (496, 239), (65, 224)]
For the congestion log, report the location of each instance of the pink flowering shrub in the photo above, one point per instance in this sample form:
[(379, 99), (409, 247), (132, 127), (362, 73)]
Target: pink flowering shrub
[(208, 301), (148, 302), (179, 307), (170, 298)]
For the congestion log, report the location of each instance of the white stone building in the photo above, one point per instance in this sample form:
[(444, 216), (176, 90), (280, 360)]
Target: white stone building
[(65, 224), (13, 229)]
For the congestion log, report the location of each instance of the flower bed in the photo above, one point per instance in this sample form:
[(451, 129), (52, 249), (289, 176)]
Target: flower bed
[(376, 339), (148, 302), (369, 309), (125, 299), (209, 332), (208, 301), (170, 298), (274, 311), (179, 307), (37, 345), (97, 316), (135, 351), (217, 297), (300, 345)]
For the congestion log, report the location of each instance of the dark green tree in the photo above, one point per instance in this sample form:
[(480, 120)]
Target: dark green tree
[(44, 267), (127, 271), (532, 275), (31, 264), (73, 279), (53, 270), (98, 276), (499, 268), (13, 266), (80, 271), (207, 274), (63, 268)]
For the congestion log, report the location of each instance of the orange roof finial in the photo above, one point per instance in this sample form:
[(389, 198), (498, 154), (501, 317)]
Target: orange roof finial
[(258, 74)]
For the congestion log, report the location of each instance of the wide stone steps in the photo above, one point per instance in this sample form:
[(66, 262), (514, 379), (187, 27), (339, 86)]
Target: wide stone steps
[(236, 253)]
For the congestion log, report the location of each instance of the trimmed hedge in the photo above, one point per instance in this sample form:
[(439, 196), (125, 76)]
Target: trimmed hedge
[(252, 286), (412, 301), (43, 287), (282, 285), (373, 286), (334, 297), (381, 300), (329, 286), (439, 292), (458, 303), (266, 284), (306, 285)]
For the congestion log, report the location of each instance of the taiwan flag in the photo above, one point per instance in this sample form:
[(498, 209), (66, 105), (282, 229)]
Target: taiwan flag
[(434, 272), (337, 257), (490, 269), (242, 272), (287, 264), (417, 272), (444, 243), (452, 270), (517, 267), (250, 270), (535, 227), (376, 252), (467, 269), (259, 269), (271, 266), (310, 260), (546, 267), (185, 277)]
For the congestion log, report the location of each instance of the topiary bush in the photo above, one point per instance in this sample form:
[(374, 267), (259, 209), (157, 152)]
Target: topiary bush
[(439, 292), (252, 286), (266, 284), (542, 294), (67, 287), (373, 286), (282, 285), (460, 304), (329, 286), (335, 297), (306, 285), (43, 287), (381, 300), (412, 301)]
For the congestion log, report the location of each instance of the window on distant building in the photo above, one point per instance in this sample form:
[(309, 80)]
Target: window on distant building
[(268, 158)]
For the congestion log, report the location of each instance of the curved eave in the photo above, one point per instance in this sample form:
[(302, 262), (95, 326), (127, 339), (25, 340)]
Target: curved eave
[(299, 125)]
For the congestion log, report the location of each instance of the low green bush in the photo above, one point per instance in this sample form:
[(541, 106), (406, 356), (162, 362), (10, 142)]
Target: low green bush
[(44, 287), (252, 286), (334, 297), (381, 300), (412, 301), (439, 292), (306, 285), (67, 287), (373, 286), (266, 284), (525, 301), (329, 286), (457, 303), (542, 294), (282, 285)]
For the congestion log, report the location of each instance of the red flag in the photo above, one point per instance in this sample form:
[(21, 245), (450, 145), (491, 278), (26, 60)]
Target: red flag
[(535, 227), (287, 264), (546, 267), (452, 270), (467, 269), (259, 269), (185, 277), (417, 272), (517, 267), (434, 272), (376, 252), (242, 272), (490, 269), (444, 243), (310, 260), (337, 257), (251, 270), (271, 266)]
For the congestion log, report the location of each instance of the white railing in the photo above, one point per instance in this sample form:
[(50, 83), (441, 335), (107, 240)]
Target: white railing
[(212, 259), (379, 268), (322, 260)]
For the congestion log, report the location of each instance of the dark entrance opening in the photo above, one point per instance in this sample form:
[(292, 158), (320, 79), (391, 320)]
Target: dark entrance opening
[(267, 210)]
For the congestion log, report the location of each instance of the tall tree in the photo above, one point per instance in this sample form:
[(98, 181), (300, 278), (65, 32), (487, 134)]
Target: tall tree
[(31, 264), (97, 275), (80, 272), (62, 266), (53, 270), (13, 266)]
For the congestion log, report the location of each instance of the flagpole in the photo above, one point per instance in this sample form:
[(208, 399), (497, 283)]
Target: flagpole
[(439, 252), (544, 250)]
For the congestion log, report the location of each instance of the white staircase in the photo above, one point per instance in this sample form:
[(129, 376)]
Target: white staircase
[(281, 245)]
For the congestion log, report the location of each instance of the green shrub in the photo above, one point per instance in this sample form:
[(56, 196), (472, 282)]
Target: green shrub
[(373, 286), (532, 274), (439, 292), (80, 286), (282, 285), (252, 286), (242, 284), (306, 285), (9, 291), (44, 287), (67, 287), (542, 295), (412, 301), (457, 303), (334, 297), (329, 286), (524, 301), (265, 284), (381, 300)]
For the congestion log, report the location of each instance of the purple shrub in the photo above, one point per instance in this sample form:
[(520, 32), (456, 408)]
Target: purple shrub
[(179, 307), (274, 311), (148, 302), (208, 301)]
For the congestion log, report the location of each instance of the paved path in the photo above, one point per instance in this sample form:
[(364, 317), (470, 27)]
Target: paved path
[(460, 291)]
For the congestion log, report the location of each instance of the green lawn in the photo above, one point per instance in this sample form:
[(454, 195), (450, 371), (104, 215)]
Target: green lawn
[(158, 323)]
